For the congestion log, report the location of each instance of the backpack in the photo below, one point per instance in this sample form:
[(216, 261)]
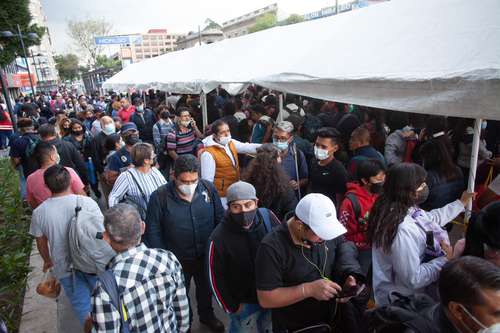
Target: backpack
[(109, 285), (30, 147), (88, 252), (266, 219), (405, 313)]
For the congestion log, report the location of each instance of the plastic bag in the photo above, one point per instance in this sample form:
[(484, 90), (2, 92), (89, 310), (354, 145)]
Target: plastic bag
[(49, 287)]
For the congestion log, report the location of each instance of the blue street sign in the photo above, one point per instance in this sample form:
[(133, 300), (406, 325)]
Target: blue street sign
[(110, 40)]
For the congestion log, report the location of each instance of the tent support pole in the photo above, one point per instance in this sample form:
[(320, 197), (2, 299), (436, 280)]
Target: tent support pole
[(280, 107), (204, 111), (473, 164)]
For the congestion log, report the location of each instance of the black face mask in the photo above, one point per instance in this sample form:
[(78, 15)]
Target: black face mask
[(422, 196), (376, 188), (132, 139), (77, 132), (244, 219)]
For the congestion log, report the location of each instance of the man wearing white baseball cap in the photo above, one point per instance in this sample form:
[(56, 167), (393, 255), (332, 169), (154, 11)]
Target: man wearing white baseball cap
[(305, 265)]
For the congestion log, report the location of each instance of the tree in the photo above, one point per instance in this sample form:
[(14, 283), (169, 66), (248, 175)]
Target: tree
[(12, 13), (211, 24), (67, 66), (264, 22), (83, 33), (103, 61), (294, 18)]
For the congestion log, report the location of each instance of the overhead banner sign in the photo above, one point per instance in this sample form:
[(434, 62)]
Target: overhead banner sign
[(120, 40)]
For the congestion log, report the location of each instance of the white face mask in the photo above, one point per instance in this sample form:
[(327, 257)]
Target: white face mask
[(109, 129), (492, 329), (321, 154), (225, 140), (58, 158), (185, 123), (188, 190)]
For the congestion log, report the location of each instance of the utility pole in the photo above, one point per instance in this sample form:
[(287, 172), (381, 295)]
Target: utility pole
[(336, 7), (199, 35), (26, 59)]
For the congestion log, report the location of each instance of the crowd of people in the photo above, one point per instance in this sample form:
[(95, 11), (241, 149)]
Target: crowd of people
[(319, 217)]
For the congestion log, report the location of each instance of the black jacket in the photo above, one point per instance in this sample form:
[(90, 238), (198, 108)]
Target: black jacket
[(231, 261), (144, 124), (98, 151), (179, 226), (70, 157)]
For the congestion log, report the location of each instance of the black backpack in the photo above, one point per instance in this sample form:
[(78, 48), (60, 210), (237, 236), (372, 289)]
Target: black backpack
[(404, 314)]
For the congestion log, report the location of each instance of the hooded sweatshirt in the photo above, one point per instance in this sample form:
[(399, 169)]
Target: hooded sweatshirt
[(357, 226), (231, 261)]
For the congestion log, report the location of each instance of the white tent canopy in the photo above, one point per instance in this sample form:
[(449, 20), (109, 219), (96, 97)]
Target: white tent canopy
[(427, 56)]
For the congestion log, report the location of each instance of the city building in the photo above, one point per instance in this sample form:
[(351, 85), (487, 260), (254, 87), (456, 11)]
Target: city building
[(41, 57), (239, 26), (148, 45), (343, 6), (208, 36)]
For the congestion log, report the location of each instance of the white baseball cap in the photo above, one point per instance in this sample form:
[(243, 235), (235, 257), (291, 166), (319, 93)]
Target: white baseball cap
[(319, 213)]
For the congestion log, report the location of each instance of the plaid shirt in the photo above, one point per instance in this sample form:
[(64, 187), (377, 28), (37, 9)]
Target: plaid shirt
[(151, 286)]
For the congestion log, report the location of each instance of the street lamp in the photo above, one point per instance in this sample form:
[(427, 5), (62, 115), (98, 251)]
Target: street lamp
[(32, 36)]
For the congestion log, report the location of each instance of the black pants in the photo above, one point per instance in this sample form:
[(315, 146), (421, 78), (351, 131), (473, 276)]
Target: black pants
[(195, 268)]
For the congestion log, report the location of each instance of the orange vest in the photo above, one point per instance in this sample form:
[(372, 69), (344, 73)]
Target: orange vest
[(225, 172)]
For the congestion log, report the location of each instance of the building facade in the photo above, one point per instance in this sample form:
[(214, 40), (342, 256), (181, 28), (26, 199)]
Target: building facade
[(239, 26), (208, 36), (148, 45), (41, 57)]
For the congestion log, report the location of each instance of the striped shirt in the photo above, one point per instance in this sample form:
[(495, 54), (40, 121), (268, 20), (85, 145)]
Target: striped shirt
[(182, 143), (125, 185)]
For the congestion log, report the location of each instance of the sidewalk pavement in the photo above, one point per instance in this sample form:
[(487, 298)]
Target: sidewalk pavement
[(45, 315), (40, 314)]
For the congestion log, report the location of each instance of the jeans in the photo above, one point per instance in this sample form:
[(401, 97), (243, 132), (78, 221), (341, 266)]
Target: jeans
[(195, 269), (78, 287), (251, 318), (4, 137)]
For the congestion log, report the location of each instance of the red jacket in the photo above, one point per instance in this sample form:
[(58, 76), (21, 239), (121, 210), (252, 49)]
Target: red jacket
[(357, 228), (125, 114), (5, 123)]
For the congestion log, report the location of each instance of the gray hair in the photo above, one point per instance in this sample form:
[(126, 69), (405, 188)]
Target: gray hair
[(123, 224), (285, 126)]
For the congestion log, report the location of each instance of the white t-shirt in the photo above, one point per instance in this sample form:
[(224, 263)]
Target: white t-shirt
[(51, 219)]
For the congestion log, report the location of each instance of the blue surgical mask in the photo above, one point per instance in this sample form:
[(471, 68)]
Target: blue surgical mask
[(280, 145), (484, 124), (140, 108)]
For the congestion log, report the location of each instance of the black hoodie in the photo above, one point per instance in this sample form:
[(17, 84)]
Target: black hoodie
[(231, 260)]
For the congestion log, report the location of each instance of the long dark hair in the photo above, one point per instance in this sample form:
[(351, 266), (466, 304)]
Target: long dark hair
[(483, 229), (437, 157), (390, 209), (267, 176)]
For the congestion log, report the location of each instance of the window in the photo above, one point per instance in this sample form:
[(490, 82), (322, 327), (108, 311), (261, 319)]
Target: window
[(147, 56)]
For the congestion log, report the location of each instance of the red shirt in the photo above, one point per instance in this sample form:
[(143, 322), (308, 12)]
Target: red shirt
[(125, 114), (38, 192)]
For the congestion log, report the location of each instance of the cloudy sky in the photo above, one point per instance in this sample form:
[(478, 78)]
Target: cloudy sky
[(179, 16)]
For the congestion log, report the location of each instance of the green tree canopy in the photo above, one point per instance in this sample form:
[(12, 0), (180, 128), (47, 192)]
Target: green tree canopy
[(68, 67), (294, 18), (83, 33), (264, 22), (211, 24), (12, 13), (103, 61)]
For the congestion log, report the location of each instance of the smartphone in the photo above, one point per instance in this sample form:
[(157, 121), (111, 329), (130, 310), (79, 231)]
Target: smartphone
[(351, 292)]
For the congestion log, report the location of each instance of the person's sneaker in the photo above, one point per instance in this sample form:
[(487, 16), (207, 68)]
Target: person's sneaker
[(214, 324)]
